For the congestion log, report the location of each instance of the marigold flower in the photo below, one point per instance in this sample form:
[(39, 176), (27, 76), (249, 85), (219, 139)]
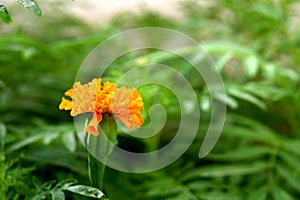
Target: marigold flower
[(123, 103)]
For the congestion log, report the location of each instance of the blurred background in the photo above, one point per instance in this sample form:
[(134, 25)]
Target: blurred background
[(255, 46)]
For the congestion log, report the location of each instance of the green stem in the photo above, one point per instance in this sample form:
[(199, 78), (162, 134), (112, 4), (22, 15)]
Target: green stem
[(100, 147), (96, 172)]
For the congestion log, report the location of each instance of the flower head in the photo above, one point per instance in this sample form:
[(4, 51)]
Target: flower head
[(123, 103)]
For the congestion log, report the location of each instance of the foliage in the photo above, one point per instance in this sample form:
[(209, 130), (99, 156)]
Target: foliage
[(255, 47), (31, 5), (57, 191)]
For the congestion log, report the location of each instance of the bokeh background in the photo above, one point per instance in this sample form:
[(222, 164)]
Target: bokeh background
[(256, 47)]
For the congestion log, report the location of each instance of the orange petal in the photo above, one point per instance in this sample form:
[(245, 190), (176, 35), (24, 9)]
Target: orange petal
[(69, 93), (92, 130), (125, 121), (65, 104), (137, 119), (92, 127)]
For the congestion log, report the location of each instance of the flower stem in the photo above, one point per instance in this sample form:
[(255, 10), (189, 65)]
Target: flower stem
[(100, 147), (96, 171)]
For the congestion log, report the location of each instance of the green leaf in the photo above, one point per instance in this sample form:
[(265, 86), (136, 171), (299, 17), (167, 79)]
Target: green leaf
[(279, 194), (271, 10), (4, 14), (40, 197), (201, 185), (57, 195), (223, 60), (49, 138), (64, 184), (219, 195), (2, 136), (250, 134), (46, 186), (162, 187), (31, 5), (23, 143), (269, 71), (265, 90), (291, 159), (225, 46), (292, 146), (259, 194), (232, 102), (245, 153), (239, 93), (44, 190), (251, 63), (165, 185), (291, 178), (250, 129), (86, 191), (60, 157), (226, 170), (289, 73), (69, 141)]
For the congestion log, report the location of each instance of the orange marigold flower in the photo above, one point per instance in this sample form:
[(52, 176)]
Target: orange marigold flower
[(125, 104)]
